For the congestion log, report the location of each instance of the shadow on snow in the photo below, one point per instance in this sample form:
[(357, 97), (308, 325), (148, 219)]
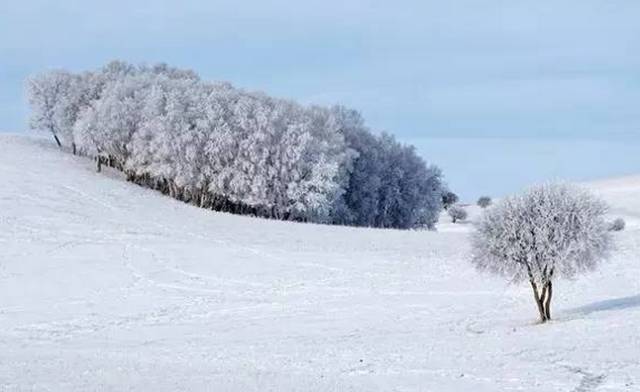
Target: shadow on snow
[(610, 304)]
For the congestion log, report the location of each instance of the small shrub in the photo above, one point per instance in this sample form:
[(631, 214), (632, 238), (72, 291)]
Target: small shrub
[(457, 213), (617, 225)]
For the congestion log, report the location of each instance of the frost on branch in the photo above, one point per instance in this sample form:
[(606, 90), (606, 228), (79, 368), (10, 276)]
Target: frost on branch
[(550, 231), (50, 96), (457, 213)]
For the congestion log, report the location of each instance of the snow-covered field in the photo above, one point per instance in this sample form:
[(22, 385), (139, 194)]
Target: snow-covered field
[(108, 286)]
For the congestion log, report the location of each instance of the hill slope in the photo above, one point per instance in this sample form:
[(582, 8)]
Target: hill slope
[(109, 286)]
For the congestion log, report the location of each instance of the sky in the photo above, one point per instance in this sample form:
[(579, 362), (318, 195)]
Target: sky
[(487, 74)]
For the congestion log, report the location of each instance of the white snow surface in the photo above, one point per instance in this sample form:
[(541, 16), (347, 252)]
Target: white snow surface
[(107, 286)]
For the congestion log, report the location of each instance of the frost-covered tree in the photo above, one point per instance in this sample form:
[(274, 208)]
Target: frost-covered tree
[(106, 125), (457, 213), (166, 144), (317, 175), (484, 201), (550, 231), (49, 94), (448, 199), (410, 195), (227, 149), (359, 204), (389, 185), (618, 224)]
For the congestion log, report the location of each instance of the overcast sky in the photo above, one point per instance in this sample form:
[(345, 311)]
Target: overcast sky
[(419, 69)]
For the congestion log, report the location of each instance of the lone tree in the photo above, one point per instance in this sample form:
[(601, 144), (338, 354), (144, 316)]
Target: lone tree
[(46, 94), (551, 230), (484, 201), (457, 213)]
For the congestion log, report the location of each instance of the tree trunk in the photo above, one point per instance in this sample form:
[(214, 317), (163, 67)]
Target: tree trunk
[(73, 148), (57, 140), (539, 302), (98, 164), (547, 304)]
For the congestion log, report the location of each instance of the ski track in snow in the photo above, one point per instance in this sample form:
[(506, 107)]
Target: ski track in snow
[(107, 286)]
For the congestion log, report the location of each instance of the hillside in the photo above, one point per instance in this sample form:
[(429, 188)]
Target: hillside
[(109, 286)]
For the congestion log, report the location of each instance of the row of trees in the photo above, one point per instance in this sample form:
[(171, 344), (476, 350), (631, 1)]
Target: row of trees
[(223, 148)]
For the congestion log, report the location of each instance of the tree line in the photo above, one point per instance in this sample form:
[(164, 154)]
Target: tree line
[(227, 149)]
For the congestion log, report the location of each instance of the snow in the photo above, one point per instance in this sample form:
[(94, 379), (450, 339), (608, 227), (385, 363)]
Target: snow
[(105, 285)]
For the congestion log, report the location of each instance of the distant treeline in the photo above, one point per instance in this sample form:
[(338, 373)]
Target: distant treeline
[(222, 148)]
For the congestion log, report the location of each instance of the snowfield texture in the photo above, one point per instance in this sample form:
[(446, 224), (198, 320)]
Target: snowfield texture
[(107, 286)]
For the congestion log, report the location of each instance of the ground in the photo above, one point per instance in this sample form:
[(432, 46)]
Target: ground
[(108, 286)]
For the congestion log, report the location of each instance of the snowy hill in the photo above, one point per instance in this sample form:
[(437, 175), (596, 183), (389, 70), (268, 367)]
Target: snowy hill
[(108, 286)]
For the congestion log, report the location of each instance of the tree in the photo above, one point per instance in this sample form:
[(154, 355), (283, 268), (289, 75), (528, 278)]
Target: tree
[(105, 127), (319, 172), (359, 203), (550, 231), (388, 184), (448, 199), (484, 201), (617, 225), (457, 213), (223, 148), (47, 93)]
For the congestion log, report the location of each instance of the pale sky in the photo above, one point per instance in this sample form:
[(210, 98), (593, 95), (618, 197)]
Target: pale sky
[(543, 70)]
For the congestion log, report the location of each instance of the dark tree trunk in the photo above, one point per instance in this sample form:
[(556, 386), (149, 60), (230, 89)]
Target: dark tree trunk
[(543, 300), (73, 148), (98, 164), (539, 302), (57, 140), (130, 176), (547, 304)]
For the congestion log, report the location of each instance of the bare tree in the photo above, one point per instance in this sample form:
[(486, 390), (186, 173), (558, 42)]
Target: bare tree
[(550, 231)]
